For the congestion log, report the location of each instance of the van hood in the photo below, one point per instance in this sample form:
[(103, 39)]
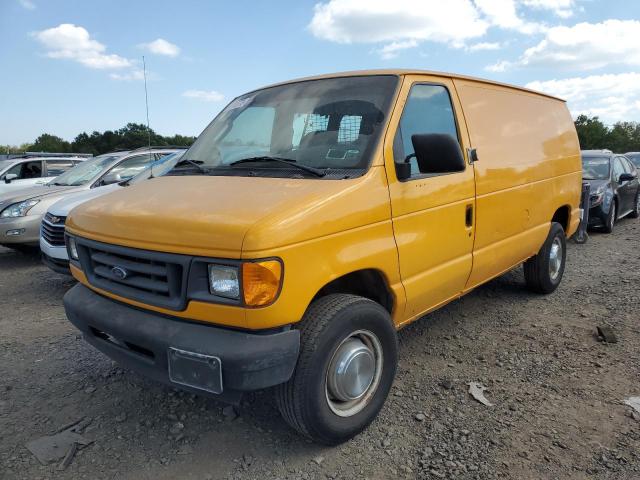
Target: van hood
[(62, 207), (224, 216)]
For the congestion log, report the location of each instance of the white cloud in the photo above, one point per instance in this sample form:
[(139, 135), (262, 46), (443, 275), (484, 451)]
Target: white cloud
[(28, 4), (134, 74), (204, 95), (397, 22), (391, 50), (503, 14), (612, 97), (161, 47), (585, 46), (476, 47), (72, 42), (404, 24), (561, 8)]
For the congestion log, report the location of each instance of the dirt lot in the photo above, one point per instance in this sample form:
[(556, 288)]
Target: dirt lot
[(557, 391)]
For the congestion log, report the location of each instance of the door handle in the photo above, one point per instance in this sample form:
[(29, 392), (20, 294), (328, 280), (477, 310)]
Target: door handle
[(468, 216)]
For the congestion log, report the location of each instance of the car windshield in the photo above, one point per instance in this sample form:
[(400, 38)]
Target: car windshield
[(635, 158), (331, 123), (595, 168), (4, 164), (85, 171), (158, 168)]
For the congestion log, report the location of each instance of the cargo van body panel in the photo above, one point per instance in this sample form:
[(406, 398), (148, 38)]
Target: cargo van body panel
[(528, 167)]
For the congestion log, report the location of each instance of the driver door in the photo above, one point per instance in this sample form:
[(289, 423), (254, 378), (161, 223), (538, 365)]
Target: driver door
[(433, 214)]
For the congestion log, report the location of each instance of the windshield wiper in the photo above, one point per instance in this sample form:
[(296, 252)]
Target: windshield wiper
[(193, 163), (288, 161)]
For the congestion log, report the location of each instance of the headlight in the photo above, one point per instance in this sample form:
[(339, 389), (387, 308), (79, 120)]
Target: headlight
[(224, 281), (261, 281), (598, 196), (18, 209), (72, 248)]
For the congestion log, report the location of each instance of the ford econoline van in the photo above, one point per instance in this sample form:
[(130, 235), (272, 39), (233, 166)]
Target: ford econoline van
[(314, 218)]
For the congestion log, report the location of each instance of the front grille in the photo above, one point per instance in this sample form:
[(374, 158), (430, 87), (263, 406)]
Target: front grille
[(53, 230), (150, 277)]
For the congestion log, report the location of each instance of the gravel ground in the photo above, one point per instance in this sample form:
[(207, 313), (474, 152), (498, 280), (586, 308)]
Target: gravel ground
[(557, 392)]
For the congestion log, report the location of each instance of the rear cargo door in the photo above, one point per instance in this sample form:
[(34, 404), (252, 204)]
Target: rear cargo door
[(433, 214)]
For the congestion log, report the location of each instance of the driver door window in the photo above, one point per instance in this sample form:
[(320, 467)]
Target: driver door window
[(428, 110)]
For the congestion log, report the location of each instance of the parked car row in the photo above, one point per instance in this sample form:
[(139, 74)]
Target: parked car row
[(615, 188), (309, 222), (22, 211)]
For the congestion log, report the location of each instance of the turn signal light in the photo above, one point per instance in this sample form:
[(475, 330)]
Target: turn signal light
[(261, 282)]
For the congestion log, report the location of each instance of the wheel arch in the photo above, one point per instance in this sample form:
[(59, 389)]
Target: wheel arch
[(369, 283), (562, 215)]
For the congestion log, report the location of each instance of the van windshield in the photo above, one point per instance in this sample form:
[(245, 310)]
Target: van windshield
[(595, 168), (330, 125)]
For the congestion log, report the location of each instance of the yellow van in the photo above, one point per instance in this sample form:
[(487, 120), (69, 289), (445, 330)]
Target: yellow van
[(314, 218)]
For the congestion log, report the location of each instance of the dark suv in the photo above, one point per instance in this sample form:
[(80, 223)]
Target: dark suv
[(615, 191)]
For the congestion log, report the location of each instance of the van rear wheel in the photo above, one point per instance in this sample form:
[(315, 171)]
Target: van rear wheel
[(347, 363), (543, 272)]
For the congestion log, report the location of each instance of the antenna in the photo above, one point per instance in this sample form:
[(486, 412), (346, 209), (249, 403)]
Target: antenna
[(146, 99)]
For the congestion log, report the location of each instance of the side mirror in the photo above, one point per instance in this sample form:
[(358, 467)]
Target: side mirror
[(626, 177), (9, 177), (111, 178), (437, 153)]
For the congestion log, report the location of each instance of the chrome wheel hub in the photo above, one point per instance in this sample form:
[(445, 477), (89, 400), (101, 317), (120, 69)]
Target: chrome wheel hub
[(354, 373), (555, 258)]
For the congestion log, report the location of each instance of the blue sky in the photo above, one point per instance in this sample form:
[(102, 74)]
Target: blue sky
[(71, 66)]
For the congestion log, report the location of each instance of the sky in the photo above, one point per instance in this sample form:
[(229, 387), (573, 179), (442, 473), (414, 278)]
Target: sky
[(70, 66)]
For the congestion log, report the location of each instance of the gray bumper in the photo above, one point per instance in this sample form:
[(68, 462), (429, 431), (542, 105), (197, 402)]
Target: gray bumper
[(250, 361)]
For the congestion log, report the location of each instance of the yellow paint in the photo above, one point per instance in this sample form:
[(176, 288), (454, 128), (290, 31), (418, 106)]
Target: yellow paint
[(414, 232)]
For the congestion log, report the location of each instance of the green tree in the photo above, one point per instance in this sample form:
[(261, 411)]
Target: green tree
[(592, 133), (50, 143), (624, 137)]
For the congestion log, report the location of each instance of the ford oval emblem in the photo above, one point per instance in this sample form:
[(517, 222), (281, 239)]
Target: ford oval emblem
[(119, 272)]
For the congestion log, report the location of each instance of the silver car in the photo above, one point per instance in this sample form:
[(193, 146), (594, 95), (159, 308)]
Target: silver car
[(21, 213)]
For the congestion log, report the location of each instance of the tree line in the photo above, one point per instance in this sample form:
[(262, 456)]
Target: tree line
[(132, 135), (621, 137)]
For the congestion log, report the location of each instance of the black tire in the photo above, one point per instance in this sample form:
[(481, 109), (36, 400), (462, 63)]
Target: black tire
[(636, 206), (537, 270), (303, 401), (610, 221)]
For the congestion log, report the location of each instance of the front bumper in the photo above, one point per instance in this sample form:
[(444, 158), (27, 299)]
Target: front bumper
[(250, 361), (28, 228), (597, 216)]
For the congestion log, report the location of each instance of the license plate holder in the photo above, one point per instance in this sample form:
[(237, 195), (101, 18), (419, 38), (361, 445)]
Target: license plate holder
[(195, 370)]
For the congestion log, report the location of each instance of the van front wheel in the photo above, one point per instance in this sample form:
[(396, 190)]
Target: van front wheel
[(543, 272), (347, 363)]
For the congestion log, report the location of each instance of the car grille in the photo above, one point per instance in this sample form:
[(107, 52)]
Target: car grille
[(149, 277), (53, 230)]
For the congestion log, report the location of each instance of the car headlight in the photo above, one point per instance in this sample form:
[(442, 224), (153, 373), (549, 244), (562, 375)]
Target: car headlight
[(598, 196), (261, 281), (224, 281), (72, 248), (18, 209)]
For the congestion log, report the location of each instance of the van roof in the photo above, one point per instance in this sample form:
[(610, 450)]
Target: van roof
[(401, 72)]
